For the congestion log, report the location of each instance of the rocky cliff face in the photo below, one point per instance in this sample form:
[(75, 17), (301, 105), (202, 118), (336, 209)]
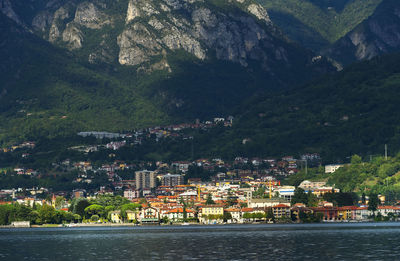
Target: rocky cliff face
[(379, 34), (137, 32), (153, 29), (7, 9)]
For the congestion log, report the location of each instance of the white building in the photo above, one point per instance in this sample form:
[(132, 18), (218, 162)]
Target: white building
[(179, 214), (332, 167), (131, 194), (286, 192), (266, 202), (310, 185), (362, 213), (385, 210), (236, 215)]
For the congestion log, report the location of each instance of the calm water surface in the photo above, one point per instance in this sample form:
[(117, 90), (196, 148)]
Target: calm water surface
[(366, 241)]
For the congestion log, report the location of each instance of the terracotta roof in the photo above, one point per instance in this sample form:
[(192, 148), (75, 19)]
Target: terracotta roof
[(180, 210), (232, 210), (388, 207), (348, 208), (281, 206)]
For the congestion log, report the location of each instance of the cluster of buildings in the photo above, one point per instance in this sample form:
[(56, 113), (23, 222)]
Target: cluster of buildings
[(241, 169), (167, 199), (236, 204), (239, 191), (23, 145), (162, 131)]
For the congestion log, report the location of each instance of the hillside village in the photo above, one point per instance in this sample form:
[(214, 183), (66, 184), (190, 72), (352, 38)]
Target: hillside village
[(205, 190), (214, 202), (236, 195)]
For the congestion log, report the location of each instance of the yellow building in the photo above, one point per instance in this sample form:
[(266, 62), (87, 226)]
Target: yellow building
[(211, 210), (324, 190), (281, 211), (214, 210), (347, 212), (130, 215), (115, 216)]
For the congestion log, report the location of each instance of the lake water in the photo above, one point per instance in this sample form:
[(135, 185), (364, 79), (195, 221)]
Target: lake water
[(351, 241)]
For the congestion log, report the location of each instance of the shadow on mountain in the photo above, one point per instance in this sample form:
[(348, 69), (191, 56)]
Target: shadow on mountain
[(298, 31)]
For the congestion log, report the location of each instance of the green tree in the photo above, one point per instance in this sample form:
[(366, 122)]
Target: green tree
[(270, 215), (258, 215), (129, 206), (106, 200), (259, 193), (363, 198), (77, 218), (184, 213), (165, 220), (355, 159), (5, 211), (34, 217), (303, 216), (20, 212), (227, 216), (373, 202), (209, 200), (299, 196), (78, 206), (59, 202), (312, 200), (108, 209), (67, 216), (247, 215), (94, 209), (47, 215)]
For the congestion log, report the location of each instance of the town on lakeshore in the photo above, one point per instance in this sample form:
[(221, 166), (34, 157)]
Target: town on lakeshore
[(199, 191)]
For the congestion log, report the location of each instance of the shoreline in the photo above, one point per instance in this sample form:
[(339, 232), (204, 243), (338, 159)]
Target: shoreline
[(82, 225)]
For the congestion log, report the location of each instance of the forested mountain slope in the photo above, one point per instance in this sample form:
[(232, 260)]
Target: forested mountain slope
[(352, 112), (116, 65)]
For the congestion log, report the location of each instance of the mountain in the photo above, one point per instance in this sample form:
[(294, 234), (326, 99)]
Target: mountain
[(343, 30), (139, 32), (317, 24), (352, 112), (117, 65), (379, 34), (45, 91)]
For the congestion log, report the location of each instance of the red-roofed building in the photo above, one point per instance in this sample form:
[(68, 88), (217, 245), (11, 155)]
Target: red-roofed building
[(281, 211), (247, 210), (179, 214), (328, 213), (362, 213), (149, 215), (236, 215), (347, 212), (386, 210)]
